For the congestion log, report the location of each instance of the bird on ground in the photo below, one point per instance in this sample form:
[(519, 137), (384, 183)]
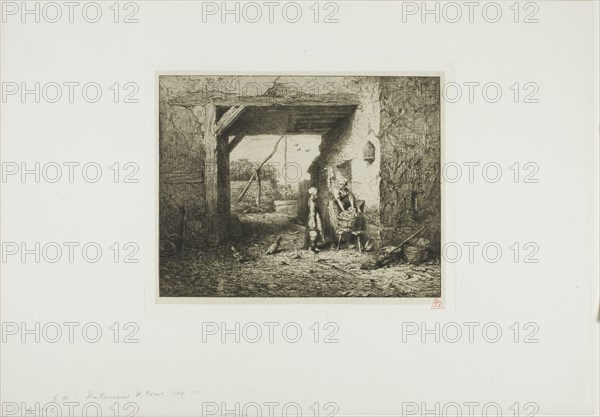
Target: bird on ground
[(238, 256), (274, 248)]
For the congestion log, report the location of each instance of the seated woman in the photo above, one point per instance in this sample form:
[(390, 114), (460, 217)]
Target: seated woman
[(345, 198), (344, 201)]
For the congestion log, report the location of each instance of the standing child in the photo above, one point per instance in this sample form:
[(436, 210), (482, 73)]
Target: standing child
[(313, 225)]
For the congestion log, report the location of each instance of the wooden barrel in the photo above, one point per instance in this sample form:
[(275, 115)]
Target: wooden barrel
[(414, 254)]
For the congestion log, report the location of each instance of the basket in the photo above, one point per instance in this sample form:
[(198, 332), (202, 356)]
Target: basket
[(349, 224)]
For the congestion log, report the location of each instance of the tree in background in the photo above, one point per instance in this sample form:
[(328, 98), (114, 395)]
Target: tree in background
[(243, 169)]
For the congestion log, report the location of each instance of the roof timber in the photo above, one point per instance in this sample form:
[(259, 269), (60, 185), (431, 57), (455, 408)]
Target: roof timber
[(229, 118), (282, 120), (235, 141), (325, 100), (294, 113)]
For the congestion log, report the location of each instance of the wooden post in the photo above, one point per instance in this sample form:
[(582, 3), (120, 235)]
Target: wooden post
[(224, 186), (285, 193), (216, 177)]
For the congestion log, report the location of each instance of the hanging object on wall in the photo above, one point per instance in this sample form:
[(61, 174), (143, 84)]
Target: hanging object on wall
[(369, 152)]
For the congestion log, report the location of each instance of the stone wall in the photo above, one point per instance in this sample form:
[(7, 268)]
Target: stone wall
[(410, 166), (181, 165)]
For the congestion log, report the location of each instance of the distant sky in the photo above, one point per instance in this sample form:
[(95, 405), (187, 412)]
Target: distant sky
[(302, 150)]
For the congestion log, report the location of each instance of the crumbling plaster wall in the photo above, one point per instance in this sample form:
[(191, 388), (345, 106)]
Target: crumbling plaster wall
[(344, 146), (410, 138), (401, 187)]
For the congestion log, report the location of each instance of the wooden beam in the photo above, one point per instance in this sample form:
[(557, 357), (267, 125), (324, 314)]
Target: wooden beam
[(235, 141), (221, 99), (311, 131), (229, 118), (324, 100)]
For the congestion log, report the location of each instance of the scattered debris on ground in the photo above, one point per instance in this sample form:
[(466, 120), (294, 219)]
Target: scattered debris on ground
[(243, 268)]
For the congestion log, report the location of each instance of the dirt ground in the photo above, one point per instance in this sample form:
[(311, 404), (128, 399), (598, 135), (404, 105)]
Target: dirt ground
[(292, 272)]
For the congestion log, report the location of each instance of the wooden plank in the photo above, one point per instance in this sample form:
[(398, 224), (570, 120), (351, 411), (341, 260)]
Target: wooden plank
[(327, 120), (312, 129), (229, 118), (235, 141), (339, 109), (320, 111), (325, 112), (331, 116), (314, 125), (181, 177)]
